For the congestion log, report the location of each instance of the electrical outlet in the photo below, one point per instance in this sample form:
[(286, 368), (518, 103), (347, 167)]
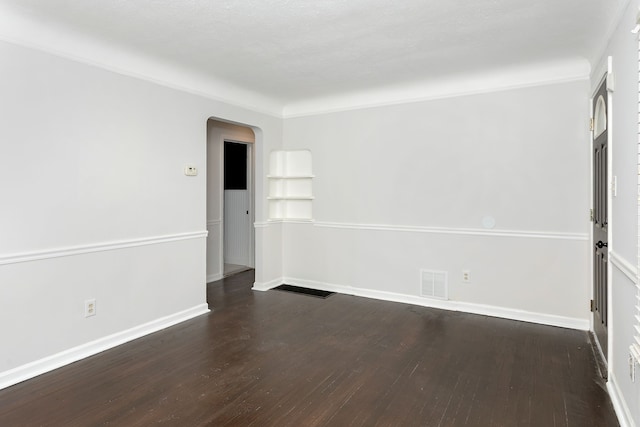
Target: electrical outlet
[(90, 307), (466, 276)]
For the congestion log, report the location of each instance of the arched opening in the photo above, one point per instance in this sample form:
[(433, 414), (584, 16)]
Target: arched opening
[(230, 198)]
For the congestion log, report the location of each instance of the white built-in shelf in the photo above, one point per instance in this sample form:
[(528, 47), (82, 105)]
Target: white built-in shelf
[(290, 185)]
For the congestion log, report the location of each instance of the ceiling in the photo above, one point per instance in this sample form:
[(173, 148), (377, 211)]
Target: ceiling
[(288, 50)]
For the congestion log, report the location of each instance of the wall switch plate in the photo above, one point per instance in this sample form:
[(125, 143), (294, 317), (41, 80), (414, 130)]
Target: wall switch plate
[(90, 307), (190, 171)]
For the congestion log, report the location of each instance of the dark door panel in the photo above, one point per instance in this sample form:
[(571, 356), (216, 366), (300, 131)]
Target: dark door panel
[(600, 218)]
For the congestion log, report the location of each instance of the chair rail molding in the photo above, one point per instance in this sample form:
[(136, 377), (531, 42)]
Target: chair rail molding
[(624, 266), (99, 247), (455, 230)]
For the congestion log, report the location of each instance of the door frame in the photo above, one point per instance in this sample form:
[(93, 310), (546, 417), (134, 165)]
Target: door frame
[(251, 189)]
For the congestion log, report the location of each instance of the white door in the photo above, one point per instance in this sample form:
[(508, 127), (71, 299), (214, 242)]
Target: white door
[(236, 227)]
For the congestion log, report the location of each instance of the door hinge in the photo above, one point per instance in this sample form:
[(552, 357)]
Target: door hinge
[(591, 124), (591, 305), (591, 215)]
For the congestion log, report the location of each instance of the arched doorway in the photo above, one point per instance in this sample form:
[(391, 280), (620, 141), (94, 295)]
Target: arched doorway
[(230, 209)]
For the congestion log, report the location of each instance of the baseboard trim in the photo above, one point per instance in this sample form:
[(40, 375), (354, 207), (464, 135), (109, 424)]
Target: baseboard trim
[(619, 404), (265, 286), (58, 360), (485, 310), (214, 277), (99, 247)]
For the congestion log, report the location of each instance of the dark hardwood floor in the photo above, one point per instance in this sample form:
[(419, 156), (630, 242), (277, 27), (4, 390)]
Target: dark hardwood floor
[(279, 359)]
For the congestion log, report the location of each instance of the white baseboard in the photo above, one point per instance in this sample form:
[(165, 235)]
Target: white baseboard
[(214, 277), (265, 286), (58, 360), (486, 310), (619, 404)]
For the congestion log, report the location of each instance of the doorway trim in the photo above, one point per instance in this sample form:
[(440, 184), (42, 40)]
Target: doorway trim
[(252, 195), (214, 191)]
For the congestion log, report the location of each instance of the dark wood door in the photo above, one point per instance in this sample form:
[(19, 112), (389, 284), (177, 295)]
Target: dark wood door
[(600, 219)]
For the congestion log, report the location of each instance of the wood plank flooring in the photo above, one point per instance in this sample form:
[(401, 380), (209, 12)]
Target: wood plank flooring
[(279, 359)]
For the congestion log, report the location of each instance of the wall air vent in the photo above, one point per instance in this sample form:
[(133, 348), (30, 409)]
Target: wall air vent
[(433, 284)]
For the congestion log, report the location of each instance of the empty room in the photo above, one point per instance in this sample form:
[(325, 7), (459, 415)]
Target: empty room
[(448, 190)]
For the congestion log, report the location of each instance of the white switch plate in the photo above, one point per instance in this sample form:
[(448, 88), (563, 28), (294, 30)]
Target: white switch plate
[(190, 171)]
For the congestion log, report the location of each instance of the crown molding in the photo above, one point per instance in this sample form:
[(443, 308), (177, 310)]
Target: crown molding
[(531, 75), (599, 57), (68, 44)]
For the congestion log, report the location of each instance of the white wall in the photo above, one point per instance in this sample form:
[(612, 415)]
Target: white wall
[(95, 203), (217, 133), (405, 187), (623, 49)]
